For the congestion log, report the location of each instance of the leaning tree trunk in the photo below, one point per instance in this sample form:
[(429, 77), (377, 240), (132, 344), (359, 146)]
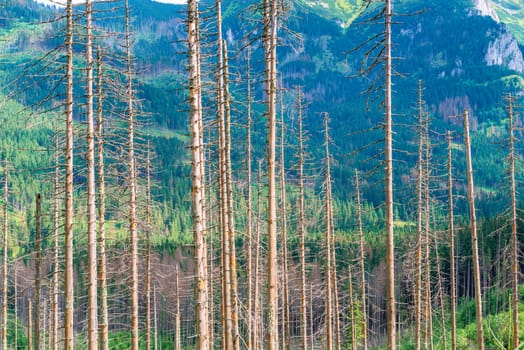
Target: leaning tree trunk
[(474, 238), (198, 178)]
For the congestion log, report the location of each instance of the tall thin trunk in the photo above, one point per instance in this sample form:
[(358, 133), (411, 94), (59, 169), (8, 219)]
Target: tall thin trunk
[(230, 208), (514, 237), (257, 319), (38, 267), (56, 246), (270, 51), (130, 99), (441, 296), (311, 318), (352, 321), (29, 324), (227, 320), (102, 270), (249, 214), (286, 327), (362, 265), (177, 312), (328, 238), (69, 214), (427, 239), (474, 238), (198, 179), (390, 244), (452, 277), (15, 287), (92, 298), (5, 244), (148, 247), (418, 262), (155, 320), (302, 223)]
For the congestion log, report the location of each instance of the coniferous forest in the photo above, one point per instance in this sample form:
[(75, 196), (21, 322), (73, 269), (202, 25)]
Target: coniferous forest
[(261, 174)]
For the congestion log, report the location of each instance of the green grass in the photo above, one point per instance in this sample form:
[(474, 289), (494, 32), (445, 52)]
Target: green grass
[(511, 12)]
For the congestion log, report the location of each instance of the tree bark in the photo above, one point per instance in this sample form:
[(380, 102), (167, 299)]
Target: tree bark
[(328, 238), (474, 238), (452, 277), (197, 179)]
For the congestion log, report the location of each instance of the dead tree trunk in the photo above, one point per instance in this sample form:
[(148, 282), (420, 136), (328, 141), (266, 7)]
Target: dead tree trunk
[(5, 244), (249, 214), (362, 265), (328, 238), (390, 244), (198, 178), (286, 327), (102, 270), (148, 247), (302, 223), (514, 237), (69, 208), (474, 239), (452, 277), (92, 298), (38, 267), (56, 246), (270, 57)]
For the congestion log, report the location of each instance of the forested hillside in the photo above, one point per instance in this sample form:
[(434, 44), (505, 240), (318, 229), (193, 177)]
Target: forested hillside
[(261, 174)]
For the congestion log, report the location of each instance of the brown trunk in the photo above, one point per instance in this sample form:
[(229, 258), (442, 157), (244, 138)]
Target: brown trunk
[(474, 239), (5, 244), (390, 244), (514, 235), (29, 324), (328, 238), (38, 267), (102, 270), (452, 277), (286, 327), (270, 46), (302, 224), (362, 265), (92, 298), (69, 214), (198, 179)]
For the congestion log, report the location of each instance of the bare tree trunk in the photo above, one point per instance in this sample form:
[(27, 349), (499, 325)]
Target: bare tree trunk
[(38, 267), (155, 324), (249, 214), (311, 324), (452, 277), (270, 46), (198, 178), (15, 287), (474, 239), (230, 208), (390, 244), (352, 322), (418, 262), (177, 312), (69, 208), (257, 319), (132, 182), (329, 232), (4, 256), (514, 237), (92, 302), (102, 270), (441, 296), (56, 246), (362, 265), (302, 223), (427, 239), (148, 247), (283, 217), (29, 324)]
